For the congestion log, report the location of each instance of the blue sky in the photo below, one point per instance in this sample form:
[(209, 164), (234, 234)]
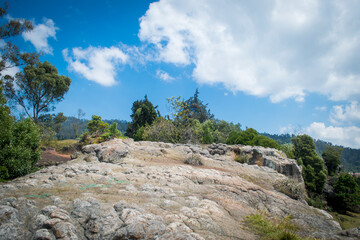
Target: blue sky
[(277, 66)]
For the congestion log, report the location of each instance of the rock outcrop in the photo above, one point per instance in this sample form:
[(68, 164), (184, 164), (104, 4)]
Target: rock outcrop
[(123, 189)]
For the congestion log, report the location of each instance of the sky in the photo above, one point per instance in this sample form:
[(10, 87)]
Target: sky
[(277, 66)]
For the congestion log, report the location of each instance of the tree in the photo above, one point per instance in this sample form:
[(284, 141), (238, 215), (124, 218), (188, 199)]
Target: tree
[(347, 192), (331, 157), (96, 126), (76, 124), (314, 172), (114, 131), (197, 109), (143, 114), (50, 126), (37, 88), (207, 132), (11, 55), (19, 144)]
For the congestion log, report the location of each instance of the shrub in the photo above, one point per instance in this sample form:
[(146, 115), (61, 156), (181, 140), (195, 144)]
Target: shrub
[(241, 158), (316, 201), (162, 130), (96, 127), (194, 160), (291, 188), (4, 173), (85, 138), (22, 151), (347, 192), (251, 137), (113, 131), (272, 229)]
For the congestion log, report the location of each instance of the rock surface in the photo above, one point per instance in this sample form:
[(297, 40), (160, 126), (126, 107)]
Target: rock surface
[(123, 189)]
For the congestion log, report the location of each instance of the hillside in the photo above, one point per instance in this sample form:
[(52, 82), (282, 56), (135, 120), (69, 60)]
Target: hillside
[(123, 189), (350, 158)]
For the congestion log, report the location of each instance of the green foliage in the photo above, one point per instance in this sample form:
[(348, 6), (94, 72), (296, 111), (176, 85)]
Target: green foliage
[(316, 201), (331, 156), (11, 55), (139, 135), (37, 88), (4, 173), (217, 131), (241, 158), (85, 138), (22, 151), (73, 127), (197, 109), (275, 229), (314, 172), (162, 130), (19, 144), (207, 132), (350, 158), (143, 114), (347, 193), (179, 110), (251, 137), (114, 131), (99, 131), (348, 220), (50, 126), (96, 127), (288, 149)]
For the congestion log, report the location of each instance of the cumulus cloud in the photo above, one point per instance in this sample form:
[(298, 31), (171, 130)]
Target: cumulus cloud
[(164, 76), (40, 34), (341, 114), (278, 49), (96, 64), (345, 136)]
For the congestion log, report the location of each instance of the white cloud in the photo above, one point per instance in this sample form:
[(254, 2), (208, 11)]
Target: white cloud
[(345, 136), (40, 34), (321, 108), (96, 64), (346, 114), (278, 49), (164, 76), (10, 71)]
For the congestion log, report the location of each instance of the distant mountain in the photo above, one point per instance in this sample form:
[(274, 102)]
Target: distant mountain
[(350, 158), (67, 128)]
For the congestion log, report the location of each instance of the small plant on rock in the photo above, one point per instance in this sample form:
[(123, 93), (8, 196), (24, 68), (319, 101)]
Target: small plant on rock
[(273, 228), (291, 188), (194, 160), (241, 158)]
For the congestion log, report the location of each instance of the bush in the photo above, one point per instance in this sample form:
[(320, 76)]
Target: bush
[(85, 138), (162, 130), (22, 152), (113, 131), (251, 137), (241, 158), (316, 201), (194, 160), (291, 188), (347, 193), (96, 126), (272, 229)]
